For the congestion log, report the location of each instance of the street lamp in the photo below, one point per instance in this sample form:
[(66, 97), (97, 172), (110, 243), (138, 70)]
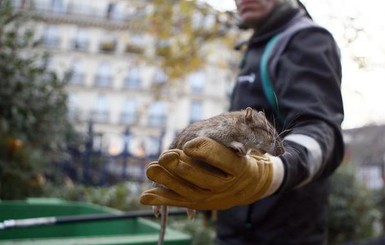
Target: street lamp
[(125, 154)]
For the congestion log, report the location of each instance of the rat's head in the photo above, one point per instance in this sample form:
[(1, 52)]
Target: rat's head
[(261, 134)]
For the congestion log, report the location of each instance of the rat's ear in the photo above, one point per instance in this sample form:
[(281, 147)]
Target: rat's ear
[(249, 115)]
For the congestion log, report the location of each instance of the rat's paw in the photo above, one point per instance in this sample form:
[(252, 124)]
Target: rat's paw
[(239, 148), (191, 214), (156, 211)]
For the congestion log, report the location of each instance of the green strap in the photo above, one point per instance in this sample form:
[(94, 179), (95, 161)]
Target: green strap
[(266, 80)]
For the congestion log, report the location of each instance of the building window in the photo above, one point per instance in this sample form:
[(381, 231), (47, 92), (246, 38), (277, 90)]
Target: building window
[(18, 3), (41, 5), (197, 20), (51, 37), (153, 146), (100, 114), (103, 77), (157, 114), (59, 6), (78, 8), (141, 10), (159, 82), (77, 73), (133, 81), (130, 112), (136, 45), (116, 11), (196, 82), (160, 77), (108, 43), (196, 111), (74, 113), (110, 9), (81, 42)]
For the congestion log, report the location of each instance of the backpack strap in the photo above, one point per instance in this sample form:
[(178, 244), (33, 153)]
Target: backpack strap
[(267, 85), (270, 57)]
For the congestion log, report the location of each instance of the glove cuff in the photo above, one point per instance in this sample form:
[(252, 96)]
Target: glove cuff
[(278, 172)]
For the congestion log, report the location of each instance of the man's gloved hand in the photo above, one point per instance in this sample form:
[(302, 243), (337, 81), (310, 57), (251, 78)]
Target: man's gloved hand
[(207, 175)]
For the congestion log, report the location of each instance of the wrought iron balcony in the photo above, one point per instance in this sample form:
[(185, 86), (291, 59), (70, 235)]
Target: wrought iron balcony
[(98, 116), (77, 12)]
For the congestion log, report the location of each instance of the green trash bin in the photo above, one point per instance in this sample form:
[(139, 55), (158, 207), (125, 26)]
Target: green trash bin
[(122, 231)]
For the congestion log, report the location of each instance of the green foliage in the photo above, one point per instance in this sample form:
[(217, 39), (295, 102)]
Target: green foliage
[(118, 196), (33, 100), (182, 28), (19, 176), (201, 234), (352, 208), (33, 124), (380, 204)]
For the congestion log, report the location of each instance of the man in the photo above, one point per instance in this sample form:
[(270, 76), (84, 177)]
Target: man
[(268, 199)]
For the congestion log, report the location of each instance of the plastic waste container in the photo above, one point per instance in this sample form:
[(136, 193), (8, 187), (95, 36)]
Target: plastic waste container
[(123, 231)]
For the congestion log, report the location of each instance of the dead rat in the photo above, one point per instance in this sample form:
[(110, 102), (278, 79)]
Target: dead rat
[(240, 130), (244, 131)]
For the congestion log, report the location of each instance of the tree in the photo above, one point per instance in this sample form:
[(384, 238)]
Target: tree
[(381, 207), (182, 29), (352, 208), (33, 124)]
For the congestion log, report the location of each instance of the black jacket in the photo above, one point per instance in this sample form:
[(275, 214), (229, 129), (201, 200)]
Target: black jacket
[(307, 84)]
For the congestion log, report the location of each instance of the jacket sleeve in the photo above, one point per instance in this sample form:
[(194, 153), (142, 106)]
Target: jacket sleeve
[(309, 92)]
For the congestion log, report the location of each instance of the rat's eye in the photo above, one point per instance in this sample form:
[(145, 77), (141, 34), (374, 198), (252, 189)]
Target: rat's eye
[(261, 130)]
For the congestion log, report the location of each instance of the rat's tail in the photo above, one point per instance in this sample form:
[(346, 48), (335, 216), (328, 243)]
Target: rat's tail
[(163, 224)]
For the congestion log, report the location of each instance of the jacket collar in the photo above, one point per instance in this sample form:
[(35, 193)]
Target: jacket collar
[(275, 23)]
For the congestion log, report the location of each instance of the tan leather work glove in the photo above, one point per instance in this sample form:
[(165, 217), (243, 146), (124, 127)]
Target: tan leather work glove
[(207, 175)]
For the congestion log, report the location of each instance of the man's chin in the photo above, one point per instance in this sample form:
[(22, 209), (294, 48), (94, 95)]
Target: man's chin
[(250, 22)]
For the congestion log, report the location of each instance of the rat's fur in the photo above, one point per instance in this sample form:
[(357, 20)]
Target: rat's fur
[(241, 130)]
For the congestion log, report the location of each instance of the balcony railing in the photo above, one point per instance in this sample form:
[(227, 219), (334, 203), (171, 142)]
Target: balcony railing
[(77, 78), (75, 115), (80, 45), (132, 83), (197, 90), (51, 42), (132, 48), (107, 46), (129, 118), (157, 120), (100, 116), (76, 11)]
